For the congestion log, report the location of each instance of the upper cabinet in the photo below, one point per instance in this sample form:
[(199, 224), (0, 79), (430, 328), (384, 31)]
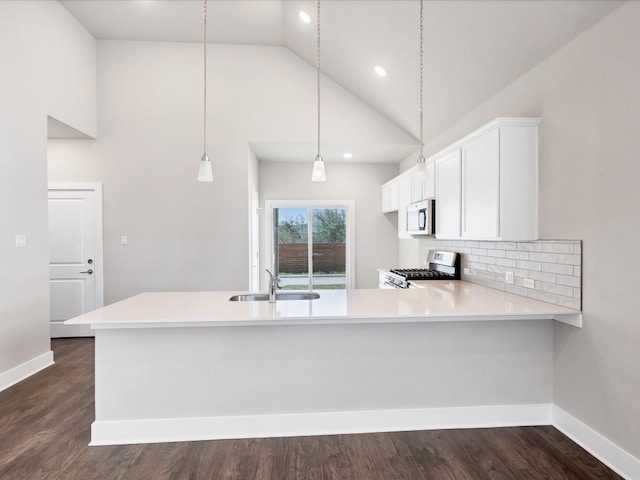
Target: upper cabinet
[(480, 213), (423, 186), (448, 195), (487, 183), (415, 187), (404, 199), (389, 194), (405, 189)]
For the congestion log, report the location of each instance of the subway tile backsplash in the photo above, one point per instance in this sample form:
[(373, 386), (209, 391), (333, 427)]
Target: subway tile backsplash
[(555, 266)]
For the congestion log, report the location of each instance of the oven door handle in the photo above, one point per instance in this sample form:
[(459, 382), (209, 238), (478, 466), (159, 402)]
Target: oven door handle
[(392, 285)]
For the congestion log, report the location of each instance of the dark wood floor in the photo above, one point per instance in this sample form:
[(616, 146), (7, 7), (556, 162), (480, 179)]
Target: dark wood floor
[(45, 428)]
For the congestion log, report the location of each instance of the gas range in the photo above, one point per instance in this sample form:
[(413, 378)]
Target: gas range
[(441, 266)]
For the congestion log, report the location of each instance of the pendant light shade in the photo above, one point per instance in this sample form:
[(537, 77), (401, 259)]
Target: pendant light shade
[(318, 174), (205, 172), (421, 167)]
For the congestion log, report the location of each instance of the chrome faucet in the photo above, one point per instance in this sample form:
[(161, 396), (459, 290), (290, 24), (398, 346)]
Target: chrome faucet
[(274, 284)]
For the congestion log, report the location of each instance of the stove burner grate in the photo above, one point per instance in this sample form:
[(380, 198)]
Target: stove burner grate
[(421, 274)]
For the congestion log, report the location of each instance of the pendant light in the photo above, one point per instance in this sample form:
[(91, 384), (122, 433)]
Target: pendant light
[(318, 174), (205, 173), (421, 164)]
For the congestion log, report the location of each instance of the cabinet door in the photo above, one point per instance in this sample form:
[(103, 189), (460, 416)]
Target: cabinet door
[(389, 193), (416, 188), (481, 187), (404, 199), (423, 187), (429, 182), (448, 196)]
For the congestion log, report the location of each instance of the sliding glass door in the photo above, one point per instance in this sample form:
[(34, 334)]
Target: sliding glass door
[(328, 248), (310, 246), (291, 239)]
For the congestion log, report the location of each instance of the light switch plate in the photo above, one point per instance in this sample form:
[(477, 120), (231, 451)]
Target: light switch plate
[(21, 240), (508, 278), (124, 240)]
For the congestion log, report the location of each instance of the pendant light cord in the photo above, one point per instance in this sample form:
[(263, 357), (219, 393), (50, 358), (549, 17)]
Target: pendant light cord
[(318, 73), (205, 78), (421, 81)]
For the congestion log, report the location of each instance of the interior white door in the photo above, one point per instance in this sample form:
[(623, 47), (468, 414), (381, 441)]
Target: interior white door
[(75, 266)]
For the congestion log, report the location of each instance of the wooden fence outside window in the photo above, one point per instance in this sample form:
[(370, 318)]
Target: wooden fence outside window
[(327, 258)]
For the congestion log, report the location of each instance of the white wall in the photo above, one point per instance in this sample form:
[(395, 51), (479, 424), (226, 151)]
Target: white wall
[(588, 96), (48, 68), (376, 234), (185, 235)]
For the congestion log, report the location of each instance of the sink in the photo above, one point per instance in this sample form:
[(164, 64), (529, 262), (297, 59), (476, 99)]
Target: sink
[(264, 297)]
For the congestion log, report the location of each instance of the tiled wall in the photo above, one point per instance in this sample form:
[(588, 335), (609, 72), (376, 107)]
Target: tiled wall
[(555, 266)]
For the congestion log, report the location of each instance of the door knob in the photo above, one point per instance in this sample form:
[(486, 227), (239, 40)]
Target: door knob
[(88, 271)]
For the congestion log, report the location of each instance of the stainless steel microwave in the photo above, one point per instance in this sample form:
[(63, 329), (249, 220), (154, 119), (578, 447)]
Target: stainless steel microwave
[(421, 218)]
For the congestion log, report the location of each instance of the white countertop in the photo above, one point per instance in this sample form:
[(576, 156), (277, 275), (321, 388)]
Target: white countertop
[(438, 301)]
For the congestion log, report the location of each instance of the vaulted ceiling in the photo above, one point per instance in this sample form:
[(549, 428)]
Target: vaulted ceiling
[(473, 48)]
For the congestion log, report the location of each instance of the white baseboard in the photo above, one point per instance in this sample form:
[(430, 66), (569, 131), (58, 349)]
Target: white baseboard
[(617, 459), (329, 423), (28, 368), (60, 330)]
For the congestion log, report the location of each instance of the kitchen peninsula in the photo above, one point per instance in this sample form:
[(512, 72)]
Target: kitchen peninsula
[(194, 366)]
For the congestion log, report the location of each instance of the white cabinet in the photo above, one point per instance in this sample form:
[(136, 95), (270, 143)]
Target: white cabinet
[(481, 186), (396, 195), (389, 193), (404, 199), (448, 188), (423, 187), (518, 208), (487, 183), (429, 183)]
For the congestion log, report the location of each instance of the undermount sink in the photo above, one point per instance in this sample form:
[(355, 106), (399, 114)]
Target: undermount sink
[(263, 297)]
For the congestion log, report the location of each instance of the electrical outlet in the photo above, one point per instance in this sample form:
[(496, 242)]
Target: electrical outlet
[(467, 271), (529, 283), (124, 240), (508, 278)]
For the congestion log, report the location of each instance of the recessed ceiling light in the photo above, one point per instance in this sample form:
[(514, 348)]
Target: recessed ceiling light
[(380, 71), (304, 16), (347, 155)]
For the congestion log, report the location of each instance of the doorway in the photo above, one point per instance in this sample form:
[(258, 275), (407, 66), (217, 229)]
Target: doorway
[(75, 255), (310, 244)]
